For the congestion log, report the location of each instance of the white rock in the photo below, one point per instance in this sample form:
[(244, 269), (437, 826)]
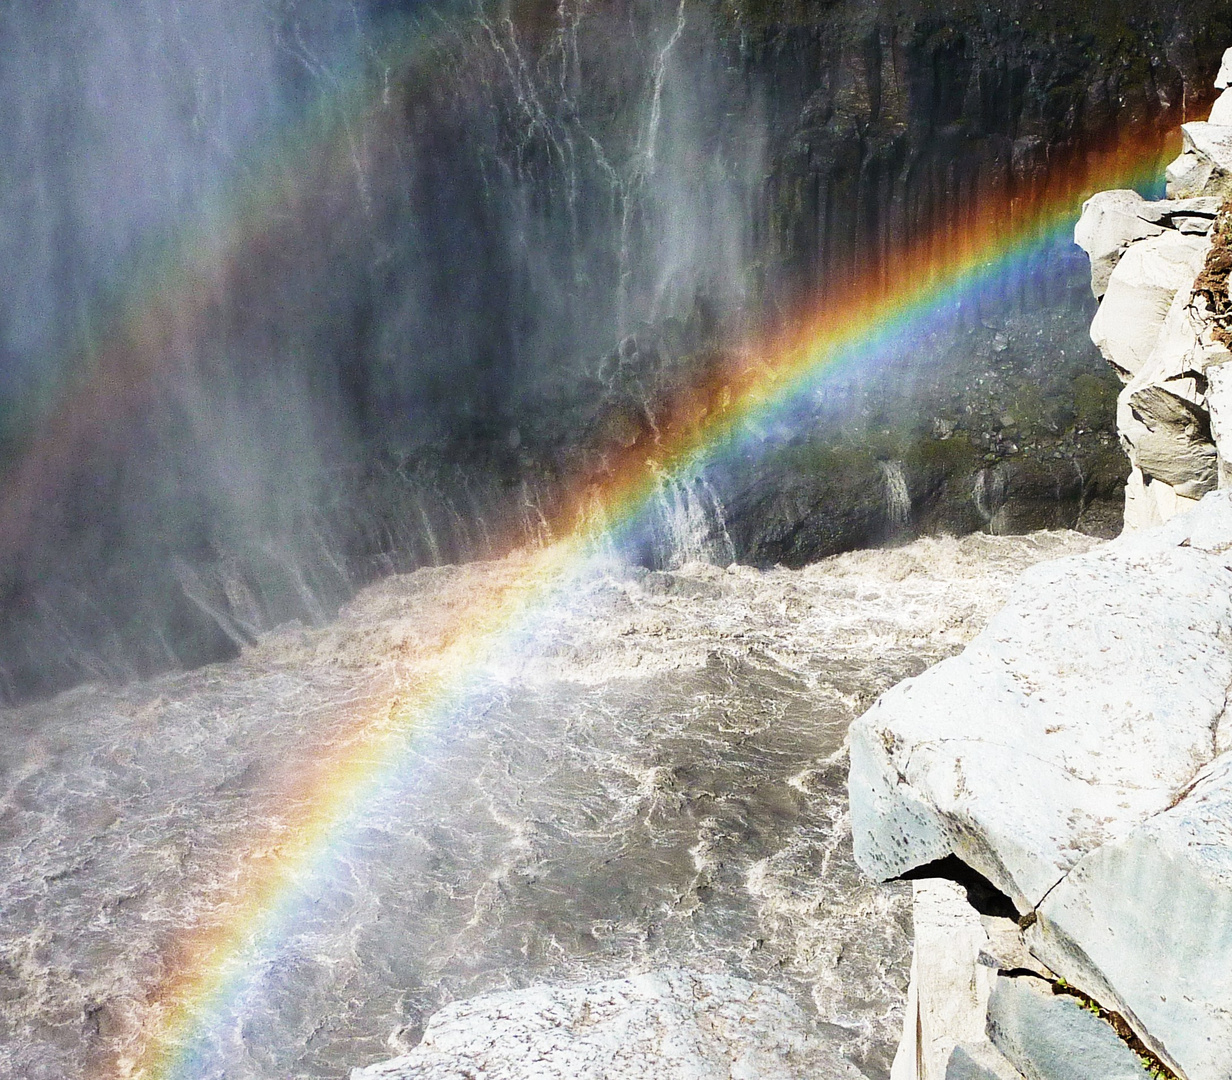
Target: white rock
[(1149, 503), (672, 1023), (1110, 222), (1146, 922), (1224, 79), (1195, 215), (1187, 174), (1166, 211), (1179, 356), (1205, 164), (947, 1001), (1085, 707), (1164, 424), (1140, 293), (1168, 438), (1221, 111), (1219, 402)]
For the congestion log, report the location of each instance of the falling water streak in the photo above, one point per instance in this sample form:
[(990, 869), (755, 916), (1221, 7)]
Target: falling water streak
[(988, 493), (726, 554), (428, 532), (898, 498), (535, 525), (642, 170), (692, 525)]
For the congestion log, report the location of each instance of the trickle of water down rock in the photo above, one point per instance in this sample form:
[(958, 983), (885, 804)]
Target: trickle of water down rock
[(657, 785)]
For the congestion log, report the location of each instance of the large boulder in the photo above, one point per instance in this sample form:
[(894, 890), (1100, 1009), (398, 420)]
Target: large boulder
[(958, 953), (1110, 222), (1071, 755), (1224, 78), (672, 1023), (1221, 111), (1084, 707), (1169, 437), (1146, 922), (1140, 292), (1052, 1037), (1205, 163), (1195, 215)]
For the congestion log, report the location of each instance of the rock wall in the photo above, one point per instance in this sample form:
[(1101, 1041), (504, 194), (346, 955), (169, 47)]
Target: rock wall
[(1159, 271), (1075, 762), (542, 231)]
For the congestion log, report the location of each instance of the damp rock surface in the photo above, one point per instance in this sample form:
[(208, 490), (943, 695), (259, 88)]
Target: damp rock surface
[(689, 1026), (652, 777)]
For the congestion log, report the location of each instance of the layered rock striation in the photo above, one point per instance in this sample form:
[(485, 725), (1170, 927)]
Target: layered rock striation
[(1158, 269), (1076, 759)]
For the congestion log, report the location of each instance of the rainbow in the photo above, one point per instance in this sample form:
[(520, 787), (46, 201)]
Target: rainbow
[(210, 968), (215, 965)]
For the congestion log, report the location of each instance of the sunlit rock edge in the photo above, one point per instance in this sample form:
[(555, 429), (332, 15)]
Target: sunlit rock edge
[(1077, 753)]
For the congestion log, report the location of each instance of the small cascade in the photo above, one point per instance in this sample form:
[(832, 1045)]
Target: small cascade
[(724, 548), (897, 497), (691, 523), (535, 525), (429, 534), (595, 522), (476, 507), (460, 528), (203, 588), (290, 563), (988, 494)]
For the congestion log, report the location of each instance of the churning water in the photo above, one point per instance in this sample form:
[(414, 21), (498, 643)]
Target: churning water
[(660, 782)]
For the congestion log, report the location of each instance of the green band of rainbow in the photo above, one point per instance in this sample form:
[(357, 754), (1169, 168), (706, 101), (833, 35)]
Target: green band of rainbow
[(211, 967), (215, 965)]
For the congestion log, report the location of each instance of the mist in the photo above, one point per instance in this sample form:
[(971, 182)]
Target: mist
[(299, 294)]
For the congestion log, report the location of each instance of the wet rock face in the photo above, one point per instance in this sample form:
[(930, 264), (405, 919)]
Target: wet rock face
[(521, 259), (696, 1027), (656, 782)]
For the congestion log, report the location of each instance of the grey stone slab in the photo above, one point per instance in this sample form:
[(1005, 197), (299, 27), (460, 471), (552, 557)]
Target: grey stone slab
[(979, 1062), (1047, 1036), (1085, 707)]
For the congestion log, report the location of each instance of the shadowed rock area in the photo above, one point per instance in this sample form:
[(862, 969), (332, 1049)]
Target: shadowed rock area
[(336, 334)]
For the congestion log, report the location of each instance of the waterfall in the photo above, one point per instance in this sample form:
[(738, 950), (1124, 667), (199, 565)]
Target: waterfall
[(535, 525), (988, 494), (429, 534), (898, 498), (692, 526)]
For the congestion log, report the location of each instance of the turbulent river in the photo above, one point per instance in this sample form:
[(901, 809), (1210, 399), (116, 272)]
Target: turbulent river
[(658, 781)]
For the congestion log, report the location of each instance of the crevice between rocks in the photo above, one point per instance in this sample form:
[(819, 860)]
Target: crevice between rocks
[(986, 899), (982, 894), (1150, 1060)]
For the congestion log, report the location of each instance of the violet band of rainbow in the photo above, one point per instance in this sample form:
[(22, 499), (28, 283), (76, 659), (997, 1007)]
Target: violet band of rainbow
[(212, 969), (217, 967)]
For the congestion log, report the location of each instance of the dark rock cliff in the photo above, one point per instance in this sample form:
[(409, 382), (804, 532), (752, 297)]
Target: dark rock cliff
[(536, 227)]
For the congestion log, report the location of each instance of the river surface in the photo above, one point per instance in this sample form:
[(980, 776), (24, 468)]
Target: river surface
[(657, 779)]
